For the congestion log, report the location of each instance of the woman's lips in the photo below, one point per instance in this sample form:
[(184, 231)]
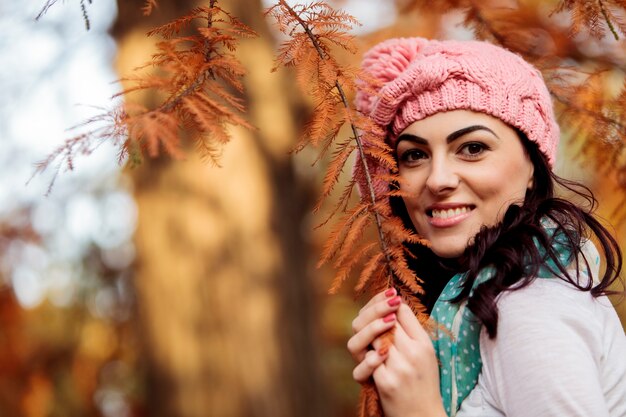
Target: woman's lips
[(447, 217)]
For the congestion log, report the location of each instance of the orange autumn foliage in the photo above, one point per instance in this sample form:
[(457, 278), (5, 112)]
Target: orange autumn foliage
[(198, 82), (313, 30)]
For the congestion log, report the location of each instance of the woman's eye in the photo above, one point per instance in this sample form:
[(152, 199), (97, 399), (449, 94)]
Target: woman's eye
[(473, 149), (412, 155)]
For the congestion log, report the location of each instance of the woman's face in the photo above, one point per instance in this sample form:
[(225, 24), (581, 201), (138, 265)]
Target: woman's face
[(460, 170)]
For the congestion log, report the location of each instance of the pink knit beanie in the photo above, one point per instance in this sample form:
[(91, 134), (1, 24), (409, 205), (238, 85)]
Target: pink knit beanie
[(420, 77)]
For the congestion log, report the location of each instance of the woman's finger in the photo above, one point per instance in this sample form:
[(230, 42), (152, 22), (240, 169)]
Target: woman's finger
[(416, 350), (371, 361), (388, 293), (410, 324), (375, 310), (358, 344)]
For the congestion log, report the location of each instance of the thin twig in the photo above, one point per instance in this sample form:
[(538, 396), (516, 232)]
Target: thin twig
[(209, 50), (608, 21), (45, 8)]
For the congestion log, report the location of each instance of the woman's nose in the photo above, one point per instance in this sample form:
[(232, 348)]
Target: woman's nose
[(442, 177)]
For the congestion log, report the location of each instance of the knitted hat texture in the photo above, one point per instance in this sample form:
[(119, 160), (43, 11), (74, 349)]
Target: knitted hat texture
[(420, 77)]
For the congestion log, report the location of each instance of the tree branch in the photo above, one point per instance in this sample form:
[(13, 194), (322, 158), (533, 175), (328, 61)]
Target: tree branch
[(357, 138)]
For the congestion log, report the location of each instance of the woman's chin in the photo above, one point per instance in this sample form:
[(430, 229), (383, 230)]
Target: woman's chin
[(448, 249)]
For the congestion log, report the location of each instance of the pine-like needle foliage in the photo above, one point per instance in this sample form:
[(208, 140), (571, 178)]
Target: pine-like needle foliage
[(595, 16), (313, 30), (198, 81)]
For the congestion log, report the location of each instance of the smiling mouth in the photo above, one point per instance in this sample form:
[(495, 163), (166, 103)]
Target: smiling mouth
[(448, 213)]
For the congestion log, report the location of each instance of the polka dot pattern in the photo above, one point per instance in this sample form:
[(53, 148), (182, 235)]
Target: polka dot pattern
[(456, 344)]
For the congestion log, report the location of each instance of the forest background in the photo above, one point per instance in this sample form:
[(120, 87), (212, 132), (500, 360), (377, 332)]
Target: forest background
[(169, 286)]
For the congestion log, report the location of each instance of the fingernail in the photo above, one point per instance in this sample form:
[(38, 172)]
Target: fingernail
[(390, 292), (389, 317), (394, 301)]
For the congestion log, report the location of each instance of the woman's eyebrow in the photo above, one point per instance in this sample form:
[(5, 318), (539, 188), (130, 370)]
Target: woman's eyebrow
[(450, 138), (466, 130), (412, 138)]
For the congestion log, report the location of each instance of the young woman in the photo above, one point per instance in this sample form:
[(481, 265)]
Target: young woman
[(512, 278)]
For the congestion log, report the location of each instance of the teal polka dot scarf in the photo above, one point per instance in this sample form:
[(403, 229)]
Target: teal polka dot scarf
[(456, 341)]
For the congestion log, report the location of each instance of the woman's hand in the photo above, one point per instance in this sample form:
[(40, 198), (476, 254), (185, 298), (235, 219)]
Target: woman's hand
[(407, 375), (374, 319)]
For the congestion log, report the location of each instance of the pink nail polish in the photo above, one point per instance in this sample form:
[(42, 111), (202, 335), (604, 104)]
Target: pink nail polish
[(389, 317), (394, 301), (390, 292)]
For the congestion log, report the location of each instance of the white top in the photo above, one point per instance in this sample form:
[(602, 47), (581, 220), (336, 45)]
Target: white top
[(558, 352)]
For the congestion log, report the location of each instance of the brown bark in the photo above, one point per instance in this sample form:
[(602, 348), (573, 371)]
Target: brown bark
[(225, 301)]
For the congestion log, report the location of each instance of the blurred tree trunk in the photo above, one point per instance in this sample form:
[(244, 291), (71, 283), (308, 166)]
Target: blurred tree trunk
[(224, 293)]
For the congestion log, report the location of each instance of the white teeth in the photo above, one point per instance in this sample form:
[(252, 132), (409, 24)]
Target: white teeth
[(444, 214)]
